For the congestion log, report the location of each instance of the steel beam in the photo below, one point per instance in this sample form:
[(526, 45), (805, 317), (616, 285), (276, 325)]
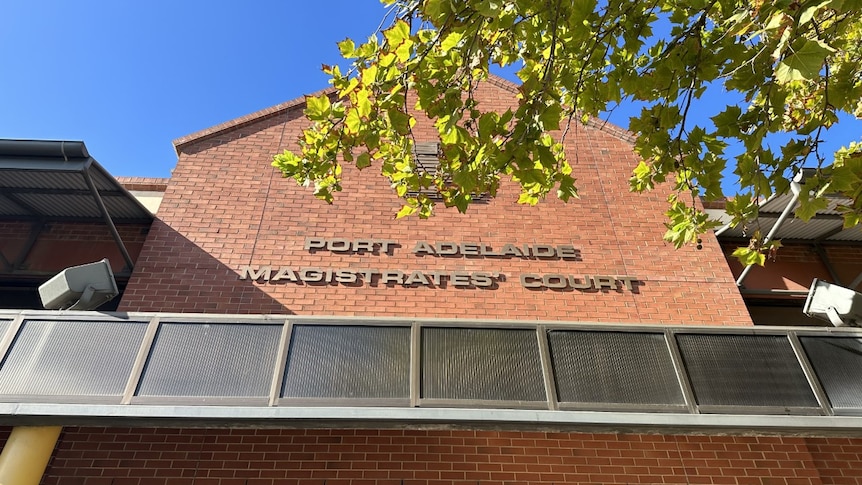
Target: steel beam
[(111, 227)]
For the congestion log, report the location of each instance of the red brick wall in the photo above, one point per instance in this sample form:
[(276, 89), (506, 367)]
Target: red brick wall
[(60, 245), (138, 456), (226, 207), (152, 184), (796, 265)]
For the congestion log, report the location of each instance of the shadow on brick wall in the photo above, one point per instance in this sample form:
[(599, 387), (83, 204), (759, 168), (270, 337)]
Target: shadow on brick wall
[(174, 274)]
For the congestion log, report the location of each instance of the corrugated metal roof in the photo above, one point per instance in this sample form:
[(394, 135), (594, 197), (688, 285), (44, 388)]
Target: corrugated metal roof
[(825, 226), (816, 228), (778, 203), (47, 181), (10, 208), (39, 179), (852, 234), (60, 205)]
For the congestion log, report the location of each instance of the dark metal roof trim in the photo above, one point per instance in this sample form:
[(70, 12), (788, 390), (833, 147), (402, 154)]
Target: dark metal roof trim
[(43, 149)]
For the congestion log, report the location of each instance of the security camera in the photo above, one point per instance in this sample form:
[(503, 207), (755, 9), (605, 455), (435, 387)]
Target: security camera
[(84, 287), (838, 305)]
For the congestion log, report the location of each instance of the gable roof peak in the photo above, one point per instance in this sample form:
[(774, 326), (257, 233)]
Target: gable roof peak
[(505, 84)]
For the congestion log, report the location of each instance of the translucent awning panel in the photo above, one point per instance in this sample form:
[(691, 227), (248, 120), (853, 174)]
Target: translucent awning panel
[(211, 359), (745, 370), (71, 358), (481, 364), (614, 367), (349, 362)]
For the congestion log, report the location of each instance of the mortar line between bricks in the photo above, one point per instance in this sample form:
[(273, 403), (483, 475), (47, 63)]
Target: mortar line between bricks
[(266, 196)]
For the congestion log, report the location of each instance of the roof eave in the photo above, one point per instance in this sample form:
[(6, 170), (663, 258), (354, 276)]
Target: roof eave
[(185, 141), (198, 136)]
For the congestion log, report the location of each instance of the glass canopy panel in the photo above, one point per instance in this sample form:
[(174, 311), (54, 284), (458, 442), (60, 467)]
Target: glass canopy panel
[(745, 370), (71, 358), (211, 360), (837, 362), (349, 362), (481, 364), (614, 367)]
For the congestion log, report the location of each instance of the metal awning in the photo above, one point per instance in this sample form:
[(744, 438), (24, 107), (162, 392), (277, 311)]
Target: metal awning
[(286, 370), (775, 222), (51, 181), (58, 181), (827, 225)]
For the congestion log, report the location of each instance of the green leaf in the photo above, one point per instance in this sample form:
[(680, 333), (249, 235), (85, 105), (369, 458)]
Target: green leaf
[(641, 179), (400, 121), (727, 122), (808, 207), (287, 162), (317, 108), (404, 50), (852, 218), (435, 10), (363, 160), (398, 33), (347, 48), (749, 257), (461, 201), (550, 117), (528, 198), (363, 103), (405, 211), (451, 41), (803, 63), (489, 8), (567, 189), (369, 75), (767, 58), (810, 11), (487, 124), (353, 122)]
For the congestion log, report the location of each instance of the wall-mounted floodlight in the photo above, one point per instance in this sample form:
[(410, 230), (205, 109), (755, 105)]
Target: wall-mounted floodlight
[(84, 287), (838, 305)]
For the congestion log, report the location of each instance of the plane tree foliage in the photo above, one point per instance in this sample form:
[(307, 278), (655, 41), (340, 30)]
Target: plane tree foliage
[(796, 66)]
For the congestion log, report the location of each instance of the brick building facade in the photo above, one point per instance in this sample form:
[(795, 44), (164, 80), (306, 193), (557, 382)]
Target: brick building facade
[(227, 208), (233, 237)]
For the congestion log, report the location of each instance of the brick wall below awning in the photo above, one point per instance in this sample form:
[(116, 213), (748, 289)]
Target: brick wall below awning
[(167, 456)]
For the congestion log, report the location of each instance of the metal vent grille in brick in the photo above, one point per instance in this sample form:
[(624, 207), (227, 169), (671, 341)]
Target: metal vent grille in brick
[(481, 364), (428, 161), (745, 370), (71, 358), (614, 367), (838, 364), (336, 361), (218, 360)]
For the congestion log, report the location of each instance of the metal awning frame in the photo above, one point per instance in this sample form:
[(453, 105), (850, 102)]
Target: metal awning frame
[(779, 220), (344, 412), (63, 157), (795, 189)]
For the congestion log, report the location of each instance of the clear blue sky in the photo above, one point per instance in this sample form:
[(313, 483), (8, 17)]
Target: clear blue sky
[(127, 78)]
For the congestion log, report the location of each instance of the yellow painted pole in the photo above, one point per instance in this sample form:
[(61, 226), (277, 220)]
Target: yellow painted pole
[(26, 454)]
